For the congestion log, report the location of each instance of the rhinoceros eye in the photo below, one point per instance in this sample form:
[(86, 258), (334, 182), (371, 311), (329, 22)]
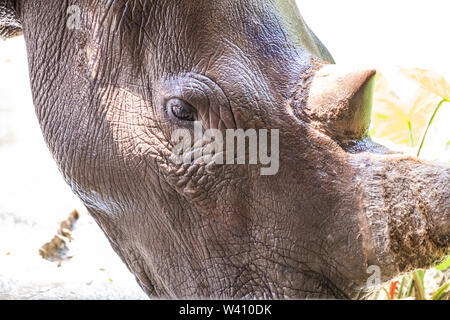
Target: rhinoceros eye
[(181, 110)]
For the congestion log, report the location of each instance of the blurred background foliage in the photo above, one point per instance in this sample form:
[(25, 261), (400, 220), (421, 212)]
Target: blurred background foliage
[(407, 122)]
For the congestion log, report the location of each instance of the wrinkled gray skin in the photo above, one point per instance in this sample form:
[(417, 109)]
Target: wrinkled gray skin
[(338, 204)]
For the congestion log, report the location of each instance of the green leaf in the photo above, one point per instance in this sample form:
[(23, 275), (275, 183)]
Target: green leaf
[(439, 294), (444, 265), (432, 81), (419, 284), (401, 121), (383, 117)]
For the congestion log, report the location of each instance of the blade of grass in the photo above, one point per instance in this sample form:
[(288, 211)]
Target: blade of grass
[(411, 137), (400, 289), (387, 294), (429, 125), (439, 294), (419, 284), (410, 288)]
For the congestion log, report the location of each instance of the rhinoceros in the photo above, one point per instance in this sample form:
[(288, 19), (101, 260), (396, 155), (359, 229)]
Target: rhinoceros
[(113, 80)]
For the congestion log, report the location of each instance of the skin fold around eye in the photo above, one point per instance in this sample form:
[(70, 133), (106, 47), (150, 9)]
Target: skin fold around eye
[(181, 110)]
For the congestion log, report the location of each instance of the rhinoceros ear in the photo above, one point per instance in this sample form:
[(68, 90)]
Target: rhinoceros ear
[(10, 25), (340, 102)]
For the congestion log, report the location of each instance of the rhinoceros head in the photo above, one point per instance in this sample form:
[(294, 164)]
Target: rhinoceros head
[(113, 81)]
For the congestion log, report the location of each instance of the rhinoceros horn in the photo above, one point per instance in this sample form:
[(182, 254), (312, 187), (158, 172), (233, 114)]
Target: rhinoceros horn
[(340, 102)]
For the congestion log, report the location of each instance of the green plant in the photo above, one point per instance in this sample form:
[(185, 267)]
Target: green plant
[(435, 84)]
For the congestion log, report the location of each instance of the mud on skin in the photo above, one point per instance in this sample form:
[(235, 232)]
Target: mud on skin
[(338, 204)]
